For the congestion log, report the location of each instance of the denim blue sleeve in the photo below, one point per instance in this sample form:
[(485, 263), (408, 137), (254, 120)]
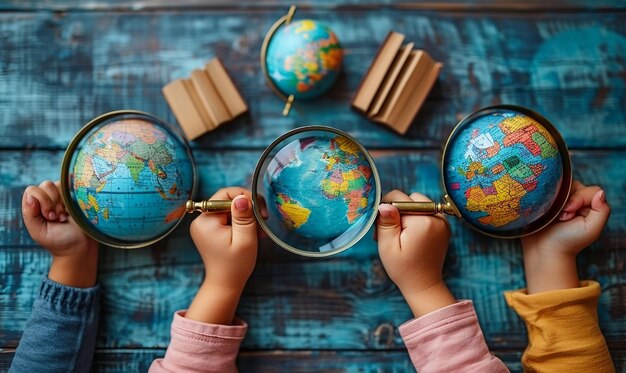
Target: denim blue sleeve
[(60, 335)]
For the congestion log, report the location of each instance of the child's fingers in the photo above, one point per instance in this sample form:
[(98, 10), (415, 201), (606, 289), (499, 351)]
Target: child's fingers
[(580, 198), (51, 190), (599, 213), (30, 205), (64, 216), (396, 195), (32, 213), (576, 186), (46, 206), (262, 206), (231, 193), (388, 228), (244, 223)]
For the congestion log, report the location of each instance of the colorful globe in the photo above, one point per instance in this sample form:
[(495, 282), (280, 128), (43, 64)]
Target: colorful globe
[(320, 187), (503, 170), (304, 59), (129, 179)]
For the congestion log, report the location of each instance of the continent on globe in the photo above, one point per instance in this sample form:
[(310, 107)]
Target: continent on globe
[(503, 170), (303, 59), (130, 179), (320, 186), (292, 212)]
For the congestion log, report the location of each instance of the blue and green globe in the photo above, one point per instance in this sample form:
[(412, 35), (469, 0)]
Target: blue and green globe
[(504, 171), (320, 187), (129, 180), (304, 59)]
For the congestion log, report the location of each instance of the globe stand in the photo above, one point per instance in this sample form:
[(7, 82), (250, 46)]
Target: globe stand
[(284, 20)]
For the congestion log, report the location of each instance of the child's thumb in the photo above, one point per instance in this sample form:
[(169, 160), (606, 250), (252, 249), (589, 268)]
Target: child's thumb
[(599, 213), (243, 221), (31, 211), (388, 226)]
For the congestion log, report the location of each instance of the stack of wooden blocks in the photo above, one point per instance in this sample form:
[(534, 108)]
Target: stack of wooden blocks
[(204, 101), (396, 84)]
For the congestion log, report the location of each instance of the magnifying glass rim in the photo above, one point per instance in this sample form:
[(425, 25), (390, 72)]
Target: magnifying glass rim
[(257, 210), (566, 184), (78, 215)]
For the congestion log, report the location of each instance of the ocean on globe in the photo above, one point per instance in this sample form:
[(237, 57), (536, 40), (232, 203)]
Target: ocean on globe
[(320, 187), (503, 170), (303, 59), (130, 179)]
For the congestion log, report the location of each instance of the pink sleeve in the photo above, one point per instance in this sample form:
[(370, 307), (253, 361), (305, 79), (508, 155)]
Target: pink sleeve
[(449, 340), (201, 347)]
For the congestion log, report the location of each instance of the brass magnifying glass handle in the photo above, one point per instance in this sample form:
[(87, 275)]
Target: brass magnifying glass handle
[(426, 208), (208, 205)]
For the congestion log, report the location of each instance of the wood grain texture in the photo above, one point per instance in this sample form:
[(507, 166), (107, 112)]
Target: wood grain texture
[(394, 361), (59, 70), (458, 5), (64, 62), (343, 302)]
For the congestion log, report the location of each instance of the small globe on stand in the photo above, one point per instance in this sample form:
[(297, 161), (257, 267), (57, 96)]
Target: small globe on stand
[(301, 59), (507, 170), (126, 177)]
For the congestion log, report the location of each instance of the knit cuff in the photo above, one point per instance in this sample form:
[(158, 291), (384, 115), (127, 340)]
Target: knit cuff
[(68, 299)]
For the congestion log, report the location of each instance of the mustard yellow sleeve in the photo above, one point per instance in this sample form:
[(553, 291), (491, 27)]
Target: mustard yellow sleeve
[(563, 330)]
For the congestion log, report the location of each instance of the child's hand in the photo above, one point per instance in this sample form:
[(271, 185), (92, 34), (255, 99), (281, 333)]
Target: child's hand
[(550, 254), (75, 256), (413, 249), (228, 245)]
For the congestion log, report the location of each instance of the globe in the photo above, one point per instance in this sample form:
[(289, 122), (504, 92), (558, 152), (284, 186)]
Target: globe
[(504, 171), (128, 177), (320, 190), (303, 59)]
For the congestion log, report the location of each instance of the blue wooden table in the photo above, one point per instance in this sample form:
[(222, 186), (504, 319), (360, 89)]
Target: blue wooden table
[(64, 62)]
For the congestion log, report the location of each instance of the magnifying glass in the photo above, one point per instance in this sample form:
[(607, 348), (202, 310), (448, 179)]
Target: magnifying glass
[(506, 171), (321, 189), (125, 178)]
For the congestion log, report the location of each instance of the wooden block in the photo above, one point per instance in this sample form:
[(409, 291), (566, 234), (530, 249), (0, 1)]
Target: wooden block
[(210, 100), (390, 79), (227, 90), (182, 105), (417, 98), (396, 84), (401, 84), (377, 71), (205, 101), (402, 106)]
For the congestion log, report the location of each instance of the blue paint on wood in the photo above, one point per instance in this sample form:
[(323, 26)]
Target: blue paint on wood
[(57, 71), (60, 72)]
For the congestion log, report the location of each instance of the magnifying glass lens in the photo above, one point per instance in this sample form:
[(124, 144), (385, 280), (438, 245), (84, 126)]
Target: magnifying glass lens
[(320, 189), (125, 179), (507, 171)]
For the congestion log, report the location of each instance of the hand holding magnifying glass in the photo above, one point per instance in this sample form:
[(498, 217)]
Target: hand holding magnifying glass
[(506, 171)]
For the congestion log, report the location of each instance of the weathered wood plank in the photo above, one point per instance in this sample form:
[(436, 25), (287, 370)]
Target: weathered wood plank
[(458, 5), (344, 302), (57, 71), (137, 360)]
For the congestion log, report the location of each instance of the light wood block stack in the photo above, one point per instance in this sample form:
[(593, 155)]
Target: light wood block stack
[(396, 84), (204, 101)]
